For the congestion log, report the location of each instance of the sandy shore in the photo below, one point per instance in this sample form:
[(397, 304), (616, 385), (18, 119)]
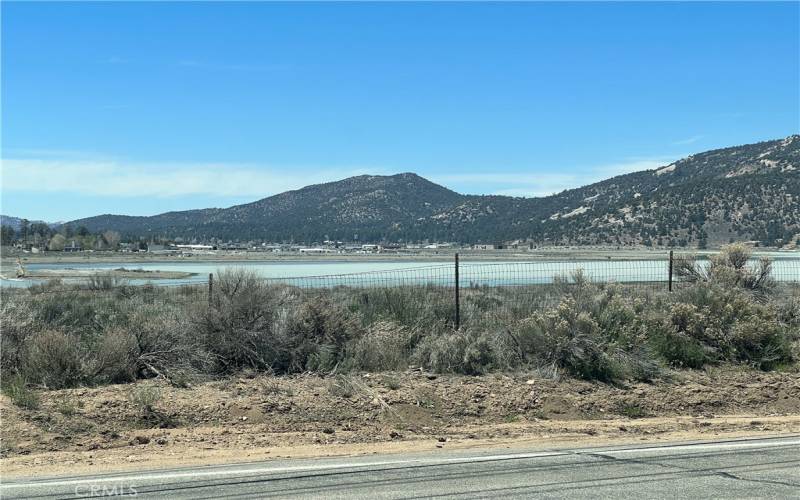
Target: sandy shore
[(116, 273)]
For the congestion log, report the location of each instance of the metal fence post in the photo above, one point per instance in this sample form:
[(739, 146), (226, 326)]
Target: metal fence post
[(670, 271), (210, 287), (458, 304)]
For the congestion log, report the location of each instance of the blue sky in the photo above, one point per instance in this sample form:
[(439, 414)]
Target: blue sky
[(149, 107)]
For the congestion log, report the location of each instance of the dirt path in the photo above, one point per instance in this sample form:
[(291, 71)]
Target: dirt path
[(245, 419)]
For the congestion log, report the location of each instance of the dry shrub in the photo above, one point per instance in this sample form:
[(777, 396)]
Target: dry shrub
[(251, 324), (384, 346), (105, 282), (593, 333), (163, 343), (314, 336), (711, 323), (145, 397), (570, 339), (424, 306), (20, 394), (236, 326), (17, 325), (442, 352), (471, 351), (53, 360), (343, 386), (764, 345), (730, 268), (115, 358)]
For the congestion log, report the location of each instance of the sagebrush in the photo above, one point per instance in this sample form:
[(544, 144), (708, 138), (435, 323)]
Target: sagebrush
[(57, 336)]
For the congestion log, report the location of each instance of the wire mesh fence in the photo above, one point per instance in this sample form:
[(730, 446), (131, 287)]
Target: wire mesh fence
[(506, 289), (442, 293), (653, 274)]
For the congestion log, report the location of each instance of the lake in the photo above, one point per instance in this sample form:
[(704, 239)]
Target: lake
[(376, 273)]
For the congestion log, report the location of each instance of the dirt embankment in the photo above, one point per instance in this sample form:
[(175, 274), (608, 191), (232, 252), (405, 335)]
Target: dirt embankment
[(151, 424)]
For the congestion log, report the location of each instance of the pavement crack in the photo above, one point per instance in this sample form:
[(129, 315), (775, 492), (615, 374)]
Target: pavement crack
[(729, 475), (629, 460), (721, 473)]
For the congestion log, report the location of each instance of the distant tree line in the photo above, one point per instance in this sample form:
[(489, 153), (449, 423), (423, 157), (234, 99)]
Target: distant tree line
[(46, 237)]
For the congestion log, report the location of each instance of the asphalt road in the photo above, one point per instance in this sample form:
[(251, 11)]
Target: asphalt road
[(748, 468)]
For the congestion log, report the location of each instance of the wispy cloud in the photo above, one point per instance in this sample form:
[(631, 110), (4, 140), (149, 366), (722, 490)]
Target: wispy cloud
[(116, 60), (36, 171), (688, 140), (56, 154), (213, 66), (536, 184), (122, 179), (116, 107)]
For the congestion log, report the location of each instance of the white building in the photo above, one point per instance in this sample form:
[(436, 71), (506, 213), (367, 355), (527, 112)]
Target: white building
[(315, 250)]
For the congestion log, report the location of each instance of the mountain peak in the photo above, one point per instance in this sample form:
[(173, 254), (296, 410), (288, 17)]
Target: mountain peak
[(746, 192)]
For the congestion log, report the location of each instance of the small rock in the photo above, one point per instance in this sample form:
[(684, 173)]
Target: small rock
[(530, 382), (328, 430), (244, 418), (140, 440), (395, 435), (439, 445), (442, 439), (162, 441), (432, 377)]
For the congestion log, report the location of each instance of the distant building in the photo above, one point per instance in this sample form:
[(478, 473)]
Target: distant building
[(73, 247), (195, 247), (315, 250)]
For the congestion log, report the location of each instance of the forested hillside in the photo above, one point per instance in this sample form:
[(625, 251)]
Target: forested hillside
[(745, 192)]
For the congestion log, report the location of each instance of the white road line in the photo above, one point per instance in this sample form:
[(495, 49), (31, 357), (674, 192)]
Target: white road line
[(263, 470), (357, 465), (699, 447)]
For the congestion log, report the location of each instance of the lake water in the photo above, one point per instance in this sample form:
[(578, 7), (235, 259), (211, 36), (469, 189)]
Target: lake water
[(376, 273)]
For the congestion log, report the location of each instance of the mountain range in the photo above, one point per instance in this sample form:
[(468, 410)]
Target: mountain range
[(16, 223), (747, 192)]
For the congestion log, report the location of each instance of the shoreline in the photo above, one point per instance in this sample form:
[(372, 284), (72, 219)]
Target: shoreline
[(581, 254), (114, 273)]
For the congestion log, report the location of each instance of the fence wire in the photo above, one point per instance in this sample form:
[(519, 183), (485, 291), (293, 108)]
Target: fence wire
[(503, 290), (428, 294)]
